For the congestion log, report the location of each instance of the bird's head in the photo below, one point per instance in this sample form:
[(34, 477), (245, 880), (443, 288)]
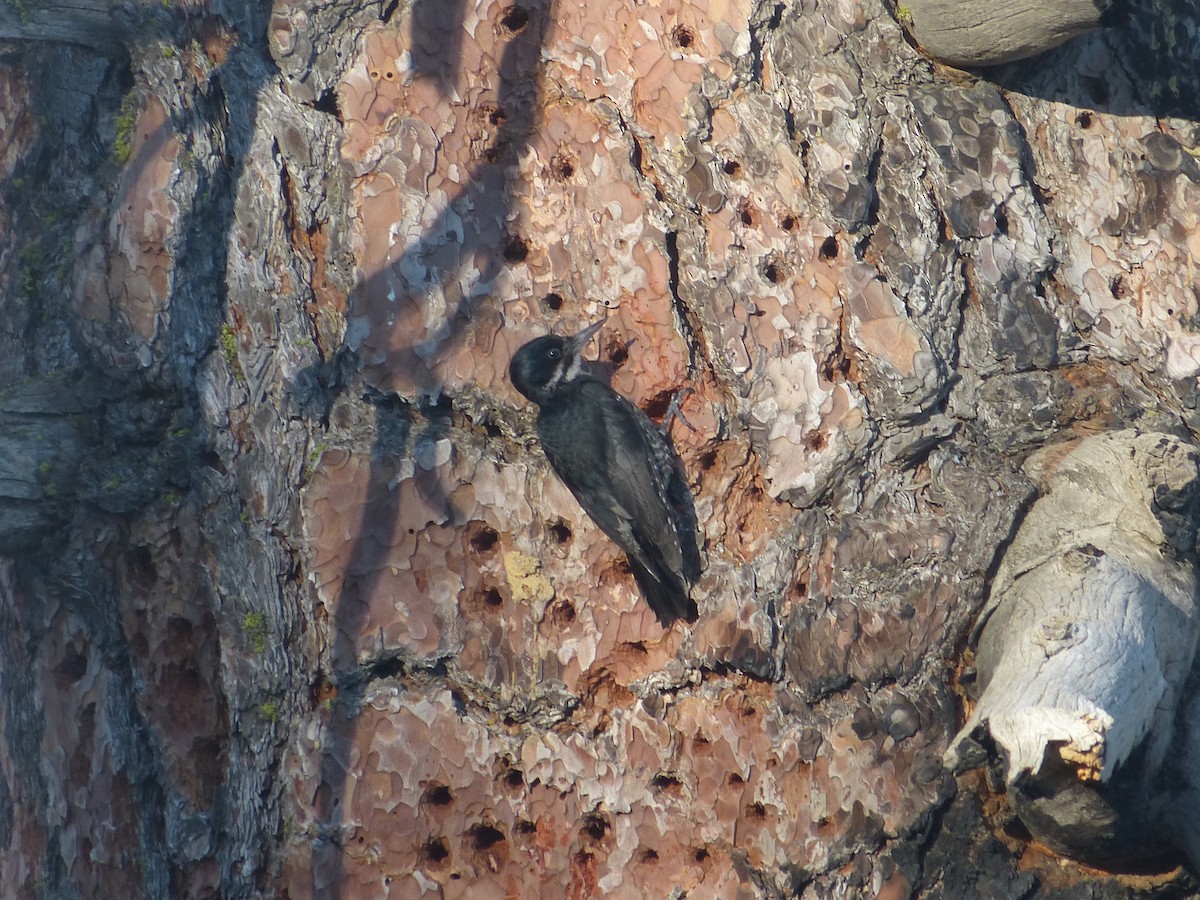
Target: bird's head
[(545, 364)]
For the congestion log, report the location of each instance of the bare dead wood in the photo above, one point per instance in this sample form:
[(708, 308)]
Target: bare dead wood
[(1091, 626), (979, 33)]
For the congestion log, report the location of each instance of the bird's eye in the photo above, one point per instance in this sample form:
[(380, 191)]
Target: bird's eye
[(553, 353)]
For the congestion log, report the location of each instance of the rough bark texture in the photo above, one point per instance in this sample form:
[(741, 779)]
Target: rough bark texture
[(290, 604)]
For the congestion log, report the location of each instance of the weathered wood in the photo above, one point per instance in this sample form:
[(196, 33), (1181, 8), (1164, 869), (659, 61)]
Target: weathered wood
[(1091, 626), (981, 33)]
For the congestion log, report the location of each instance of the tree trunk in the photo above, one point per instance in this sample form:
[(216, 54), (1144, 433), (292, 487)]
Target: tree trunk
[(290, 602)]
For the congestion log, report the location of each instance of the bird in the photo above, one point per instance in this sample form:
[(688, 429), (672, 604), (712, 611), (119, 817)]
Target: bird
[(621, 468)]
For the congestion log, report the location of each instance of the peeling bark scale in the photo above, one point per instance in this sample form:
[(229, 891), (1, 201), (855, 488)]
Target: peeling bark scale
[(291, 605)]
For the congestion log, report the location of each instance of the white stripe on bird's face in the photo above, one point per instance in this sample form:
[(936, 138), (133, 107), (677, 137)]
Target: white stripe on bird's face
[(567, 370)]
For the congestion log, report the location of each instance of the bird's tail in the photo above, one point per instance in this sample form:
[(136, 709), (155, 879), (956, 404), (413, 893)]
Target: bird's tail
[(667, 596)]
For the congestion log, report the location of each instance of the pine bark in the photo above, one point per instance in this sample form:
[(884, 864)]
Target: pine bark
[(290, 602)]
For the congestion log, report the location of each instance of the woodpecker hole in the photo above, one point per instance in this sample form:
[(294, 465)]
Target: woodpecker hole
[(563, 166), (435, 851), (801, 588), (788, 223), (649, 856), (595, 827), (617, 354), (484, 837), (748, 214), (516, 249), (140, 566), (492, 599), (1084, 119), (515, 18), (736, 779), (829, 248), (683, 36), (524, 826), (562, 614), (553, 301), (756, 811), (771, 273), (514, 778), (559, 532), (731, 167), (438, 795), (665, 781), (708, 459), (701, 855), (484, 538)]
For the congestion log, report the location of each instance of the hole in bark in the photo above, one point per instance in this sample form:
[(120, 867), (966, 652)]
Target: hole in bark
[(484, 539), (683, 36), (731, 167), (495, 115), (649, 855), (515, 19), (515, 778), (559, 532), (1118, 288), (771, 273), (1084, 119), (829, 248), (701, 855), (563, 166), (553, 301), (524, 826), (736, 779), (747, 213), (438, 795), (435, 851), (815, 441), (595, 826), (389, 75), (492, 598), (562, 614), (665, 781), (788, 223), (484, 837), (617, 354), (708, 459), (516, 249), (801, 589), (756, 811)]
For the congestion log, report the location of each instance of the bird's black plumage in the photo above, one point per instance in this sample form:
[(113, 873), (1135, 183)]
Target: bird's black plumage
[(620, 467)]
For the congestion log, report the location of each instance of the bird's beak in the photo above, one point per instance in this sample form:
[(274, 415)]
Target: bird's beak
[(580, 340)]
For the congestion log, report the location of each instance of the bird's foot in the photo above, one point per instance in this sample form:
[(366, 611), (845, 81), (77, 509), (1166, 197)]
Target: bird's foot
[(674, 412)]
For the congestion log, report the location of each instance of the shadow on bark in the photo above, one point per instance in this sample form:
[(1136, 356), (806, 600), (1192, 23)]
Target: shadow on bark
[(518, 68)]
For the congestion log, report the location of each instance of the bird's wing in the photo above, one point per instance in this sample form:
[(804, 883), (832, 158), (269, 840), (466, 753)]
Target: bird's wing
[(628, 494)]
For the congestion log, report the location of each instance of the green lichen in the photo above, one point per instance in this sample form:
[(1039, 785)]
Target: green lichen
[(22, 9), (123, 125), (167, 51), (229, 347), (269, 710), (254, 624), (904, 15)]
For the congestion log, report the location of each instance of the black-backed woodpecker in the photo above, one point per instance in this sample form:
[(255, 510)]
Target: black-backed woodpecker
[(621, 468)]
